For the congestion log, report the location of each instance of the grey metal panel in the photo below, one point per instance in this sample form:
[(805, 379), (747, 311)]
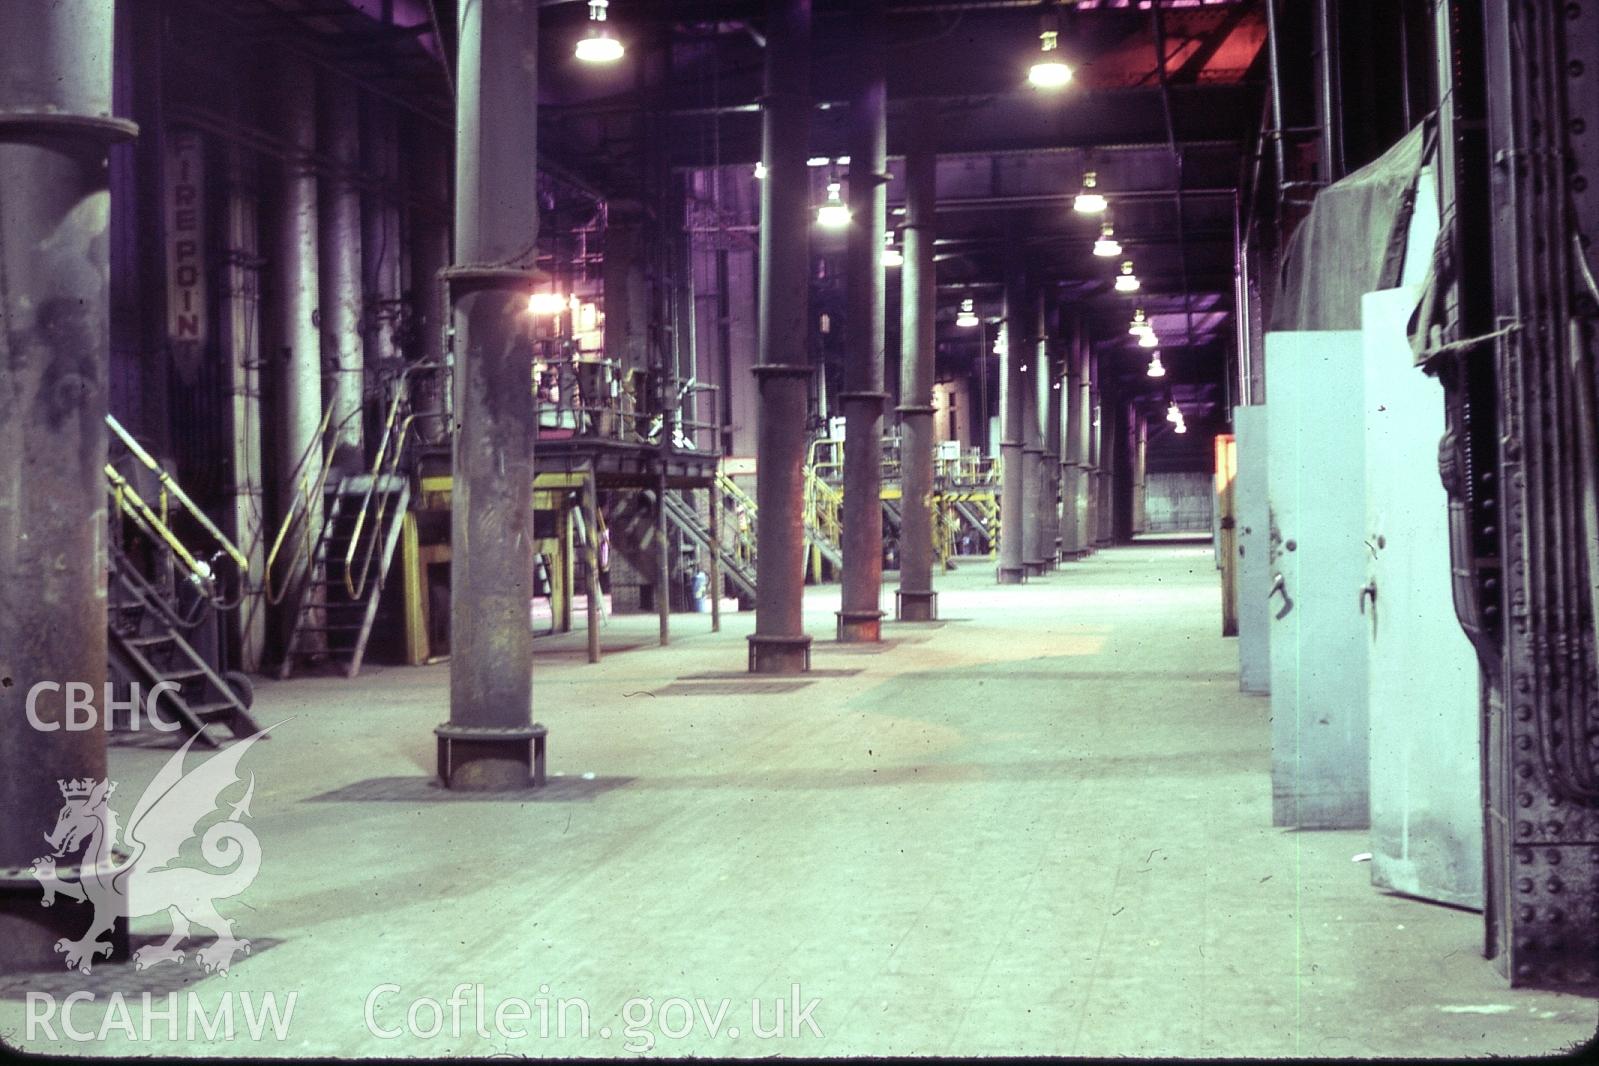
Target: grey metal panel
[(1254, 547), (1316, 474), (1426, 790)]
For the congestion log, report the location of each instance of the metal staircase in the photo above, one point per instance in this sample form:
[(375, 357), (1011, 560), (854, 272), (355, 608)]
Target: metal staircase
[(148, 647), (737, 571), (338, 595)]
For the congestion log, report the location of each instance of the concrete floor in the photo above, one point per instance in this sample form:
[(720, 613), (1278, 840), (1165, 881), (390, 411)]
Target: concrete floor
[(1040, 826)]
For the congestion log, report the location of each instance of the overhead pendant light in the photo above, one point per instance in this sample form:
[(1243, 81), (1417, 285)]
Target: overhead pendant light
[(1182, 427), (1139, 324), (1127, 281), (1148, 339), (1157, 369), (834, 212), (760, 171), (1089, 201), (1173, 412), (967, 317), (1107, 246), (1049, 71), (892, 256), (598, 46)]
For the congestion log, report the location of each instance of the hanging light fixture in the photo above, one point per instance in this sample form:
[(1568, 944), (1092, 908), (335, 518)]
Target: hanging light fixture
[(1107, 246), (967, 317), (1157, 369), (1090, 201), (834, 212), (1127, 281), (1139, 324), (892, 256), (1182, 427), (1049, 71), (760, 171), (1173, 412), (1148, 339), (598, 46)]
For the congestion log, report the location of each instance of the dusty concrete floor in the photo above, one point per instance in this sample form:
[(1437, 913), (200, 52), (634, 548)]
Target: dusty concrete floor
[(1040, 826)]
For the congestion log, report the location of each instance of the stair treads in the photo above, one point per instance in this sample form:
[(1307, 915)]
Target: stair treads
[(746, 687)]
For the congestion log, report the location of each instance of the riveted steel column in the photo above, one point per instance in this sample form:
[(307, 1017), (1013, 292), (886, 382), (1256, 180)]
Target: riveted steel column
[(1045, 513), (1091, 445), (490, 740), (55, 130), (779, 644), (340, 251), (1074, 400), (915, 600), (1012, 511), (863, 396)]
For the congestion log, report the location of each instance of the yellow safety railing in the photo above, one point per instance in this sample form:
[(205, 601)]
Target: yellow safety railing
[(304, 504), (390, 449), (744, 541), (157, 527), (824, 508)]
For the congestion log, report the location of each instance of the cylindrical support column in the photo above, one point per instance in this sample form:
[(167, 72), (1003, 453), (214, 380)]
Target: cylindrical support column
[(490, 740), (860, 618), (300, 362), (1047, 514), (340, 261), (1140, 447), (915, 600), (716, 557), (779, 644), (1093, 481), (1033, 378), (380, 232), (663, 555), (1012, 397), (1074, 400), (55, 129), (430, 255)]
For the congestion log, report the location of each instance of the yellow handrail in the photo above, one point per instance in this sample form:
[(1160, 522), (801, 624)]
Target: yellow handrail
[(133, 505), (300, 507), (390, 447)]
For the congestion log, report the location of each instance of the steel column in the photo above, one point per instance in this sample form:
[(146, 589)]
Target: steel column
[(779, 644), (1054, 441), (1043, 513), (915, 600), (1032, 434), (1071, 463), (489, 741), (430, 254), (55, 129), (340, 251), (242, 318), (863, 397), (1012, 509)]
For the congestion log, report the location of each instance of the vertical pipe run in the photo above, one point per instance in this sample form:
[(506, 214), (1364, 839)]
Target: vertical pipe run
[(915, 600), (300, 384), (55, 130), (860, 618), (1012, 511), (243, 324), (430, 251), (340, 252), (779, 644), (489, 740)]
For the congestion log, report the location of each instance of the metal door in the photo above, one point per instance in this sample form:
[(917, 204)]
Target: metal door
[(1315, 478)]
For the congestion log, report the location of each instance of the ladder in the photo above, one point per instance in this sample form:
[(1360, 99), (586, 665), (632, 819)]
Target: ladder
[(338, 595), (147, 647)]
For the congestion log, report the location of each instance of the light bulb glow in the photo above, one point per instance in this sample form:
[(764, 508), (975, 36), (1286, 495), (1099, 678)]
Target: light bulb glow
[(1127, 281), (1107, 246), (1139, 324), (967, 318), (1089, 202), (599, 48), (1049, 72), (1157, 369), (1148, 340), (546, 303), (834, 214), (760, 171)]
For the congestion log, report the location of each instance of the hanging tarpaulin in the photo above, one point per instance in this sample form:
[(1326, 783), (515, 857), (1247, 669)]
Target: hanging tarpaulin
[(184, 199)]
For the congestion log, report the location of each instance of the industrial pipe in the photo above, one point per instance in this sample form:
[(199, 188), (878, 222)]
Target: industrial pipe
[(340, 263)]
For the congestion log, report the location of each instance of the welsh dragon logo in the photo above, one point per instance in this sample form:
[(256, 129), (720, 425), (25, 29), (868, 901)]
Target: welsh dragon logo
[(145, 880)]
